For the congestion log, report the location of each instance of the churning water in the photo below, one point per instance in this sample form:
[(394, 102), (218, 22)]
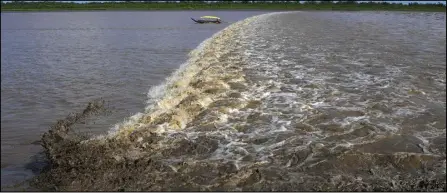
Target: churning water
[(285, 101), (54, 63)]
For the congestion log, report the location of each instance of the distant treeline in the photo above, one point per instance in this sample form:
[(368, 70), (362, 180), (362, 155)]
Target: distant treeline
[(224, 4)]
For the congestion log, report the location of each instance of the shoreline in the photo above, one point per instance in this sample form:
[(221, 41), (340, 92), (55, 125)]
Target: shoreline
[(145, 6), (167, 10)]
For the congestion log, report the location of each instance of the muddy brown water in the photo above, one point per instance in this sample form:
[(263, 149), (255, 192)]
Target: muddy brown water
[(278, 101), (54, 63)]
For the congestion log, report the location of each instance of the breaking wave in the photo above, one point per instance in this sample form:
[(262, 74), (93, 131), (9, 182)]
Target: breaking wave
[(242, 115)]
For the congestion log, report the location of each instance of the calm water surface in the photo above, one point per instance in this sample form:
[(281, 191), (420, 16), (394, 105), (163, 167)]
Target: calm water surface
[(53, 64)]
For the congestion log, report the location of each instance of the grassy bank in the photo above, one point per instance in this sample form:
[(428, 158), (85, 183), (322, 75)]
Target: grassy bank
[(220, 5)]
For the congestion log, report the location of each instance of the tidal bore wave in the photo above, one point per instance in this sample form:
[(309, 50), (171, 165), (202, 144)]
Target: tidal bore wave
[(212, 127)]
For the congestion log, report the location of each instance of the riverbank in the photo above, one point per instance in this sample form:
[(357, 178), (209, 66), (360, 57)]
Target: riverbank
[(140, 6)]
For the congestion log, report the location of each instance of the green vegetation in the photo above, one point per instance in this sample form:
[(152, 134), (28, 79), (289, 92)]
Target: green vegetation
[(222, 5)]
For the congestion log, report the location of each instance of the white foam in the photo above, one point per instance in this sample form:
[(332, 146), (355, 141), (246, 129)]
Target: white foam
[(301, 102)]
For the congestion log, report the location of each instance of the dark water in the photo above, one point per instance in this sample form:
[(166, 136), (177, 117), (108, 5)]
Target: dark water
[(54, 63), (281, 101)]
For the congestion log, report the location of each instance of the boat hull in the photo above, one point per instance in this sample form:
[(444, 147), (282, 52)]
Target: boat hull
[(201, 21)]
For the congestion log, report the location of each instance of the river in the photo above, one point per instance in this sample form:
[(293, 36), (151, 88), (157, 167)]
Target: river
[(277, 101)]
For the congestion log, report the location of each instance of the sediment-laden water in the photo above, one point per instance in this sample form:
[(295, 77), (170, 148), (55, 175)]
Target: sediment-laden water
[(54, 63), (308, 101)]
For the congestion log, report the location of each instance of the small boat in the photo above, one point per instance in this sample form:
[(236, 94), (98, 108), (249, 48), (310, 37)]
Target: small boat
[(208, 19)]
